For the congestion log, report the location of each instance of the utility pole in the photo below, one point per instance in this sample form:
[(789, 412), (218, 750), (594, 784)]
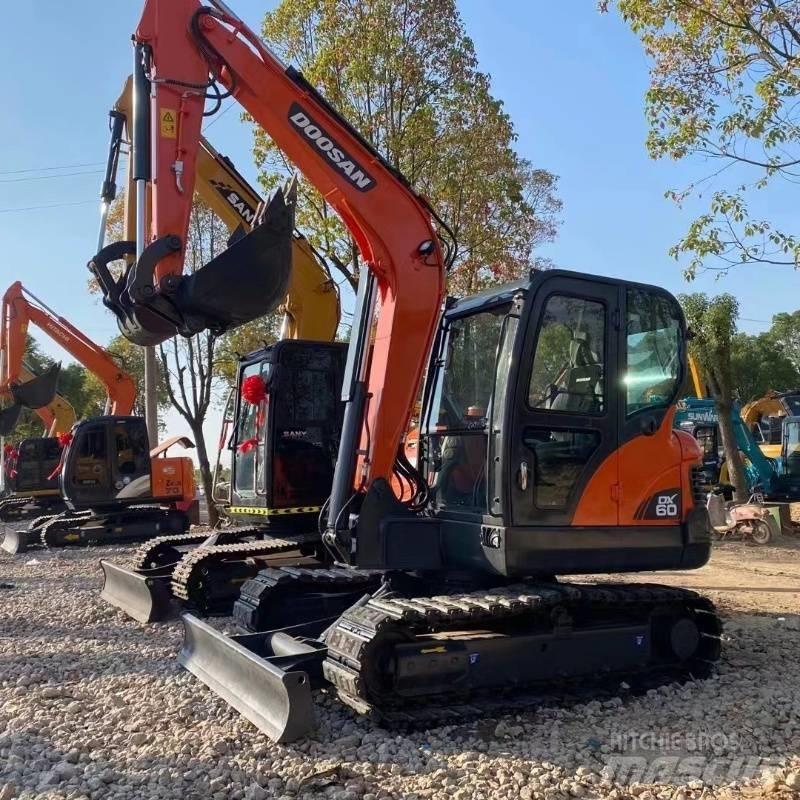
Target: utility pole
[(151, 394)]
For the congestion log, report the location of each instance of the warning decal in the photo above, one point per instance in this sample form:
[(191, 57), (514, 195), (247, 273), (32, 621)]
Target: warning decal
[(169, 122)]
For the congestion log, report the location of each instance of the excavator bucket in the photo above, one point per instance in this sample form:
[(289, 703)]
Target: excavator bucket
[(9, 418), (250, 278), (145, 597), (39, 391), (266, 677)]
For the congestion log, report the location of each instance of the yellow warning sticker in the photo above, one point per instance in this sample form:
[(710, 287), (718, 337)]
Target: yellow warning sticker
[(169, 123)]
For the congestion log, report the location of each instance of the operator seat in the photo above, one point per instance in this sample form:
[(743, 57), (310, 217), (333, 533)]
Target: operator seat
[(581, 387)]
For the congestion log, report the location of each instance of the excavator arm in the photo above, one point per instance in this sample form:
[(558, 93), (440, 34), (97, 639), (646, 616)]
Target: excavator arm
[(187, 52), (21, 309), (311, 307)]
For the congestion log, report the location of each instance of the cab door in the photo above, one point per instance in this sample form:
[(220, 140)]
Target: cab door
[(565, 412)]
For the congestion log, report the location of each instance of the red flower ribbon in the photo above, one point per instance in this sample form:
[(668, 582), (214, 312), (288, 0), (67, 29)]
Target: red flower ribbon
[(254, 390), (248, 445)]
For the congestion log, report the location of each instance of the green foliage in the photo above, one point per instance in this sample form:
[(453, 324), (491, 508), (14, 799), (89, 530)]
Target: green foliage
[(713, 323), (406, 75), (724, 82), (760, 363), (243, 340)]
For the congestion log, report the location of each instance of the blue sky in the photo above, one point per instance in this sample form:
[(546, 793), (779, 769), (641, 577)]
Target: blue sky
[(572, 80)]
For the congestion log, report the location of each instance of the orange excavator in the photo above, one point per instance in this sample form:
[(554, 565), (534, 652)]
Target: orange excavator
[(28, 464), (98, 488), (546, 444)]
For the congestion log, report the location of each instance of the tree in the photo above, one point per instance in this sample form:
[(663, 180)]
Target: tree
[(187, 364), (713, 322), (785, 333), (242, 340), (760, 363), (405, 74), (724, 82)]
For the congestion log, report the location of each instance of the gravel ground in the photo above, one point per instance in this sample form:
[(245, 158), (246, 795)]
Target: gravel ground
[(95, 706)]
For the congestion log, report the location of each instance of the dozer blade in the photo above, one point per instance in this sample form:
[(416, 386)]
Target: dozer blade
[(146, 598), (15, 541), (266, 677), (39, 391), (9, 418), (247, 280)]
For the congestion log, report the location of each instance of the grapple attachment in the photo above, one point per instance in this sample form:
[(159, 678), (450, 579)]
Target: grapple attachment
[(9, 418), (246, 281), (145, 597), (39, 391), (266, 677)]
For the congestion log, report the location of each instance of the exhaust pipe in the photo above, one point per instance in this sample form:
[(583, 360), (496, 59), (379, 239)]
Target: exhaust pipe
[(38, 392), (266, 677)]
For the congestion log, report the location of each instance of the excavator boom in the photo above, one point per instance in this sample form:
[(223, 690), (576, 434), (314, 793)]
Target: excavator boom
[(20, 309), (182, 43)]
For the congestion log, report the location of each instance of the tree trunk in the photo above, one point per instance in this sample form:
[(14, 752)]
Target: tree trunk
[(206, 475), (732, 454)]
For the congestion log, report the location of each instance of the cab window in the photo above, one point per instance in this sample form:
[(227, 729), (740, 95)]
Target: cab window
[(568, 371), (653, 350)]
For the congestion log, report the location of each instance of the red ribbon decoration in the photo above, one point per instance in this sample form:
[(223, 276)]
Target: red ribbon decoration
[(248, 445), (254, 390), (64, 439), (8, 449)]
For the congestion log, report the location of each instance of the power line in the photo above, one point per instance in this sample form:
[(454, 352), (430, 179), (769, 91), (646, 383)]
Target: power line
[(50, 169), (220, 115), (52, 205), (50, 177)]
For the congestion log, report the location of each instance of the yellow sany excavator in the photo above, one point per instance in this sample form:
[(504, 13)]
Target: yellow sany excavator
[(311, 314)]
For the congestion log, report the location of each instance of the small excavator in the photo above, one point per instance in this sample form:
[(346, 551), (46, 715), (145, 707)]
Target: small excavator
[(29, 464), (765, 416), (546, 444), (113, 488), (277, 491)]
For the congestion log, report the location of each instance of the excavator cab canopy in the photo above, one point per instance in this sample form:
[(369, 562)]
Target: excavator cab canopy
[(107, 463), (287, 430)]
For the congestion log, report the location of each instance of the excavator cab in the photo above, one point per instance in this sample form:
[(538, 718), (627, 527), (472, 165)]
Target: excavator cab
[(544, 435), (790, 455), (286, 436), (107, 463), (36, 465)]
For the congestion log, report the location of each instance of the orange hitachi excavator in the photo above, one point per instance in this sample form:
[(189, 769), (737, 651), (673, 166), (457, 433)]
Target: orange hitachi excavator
[(97, 488), (546, 441)]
